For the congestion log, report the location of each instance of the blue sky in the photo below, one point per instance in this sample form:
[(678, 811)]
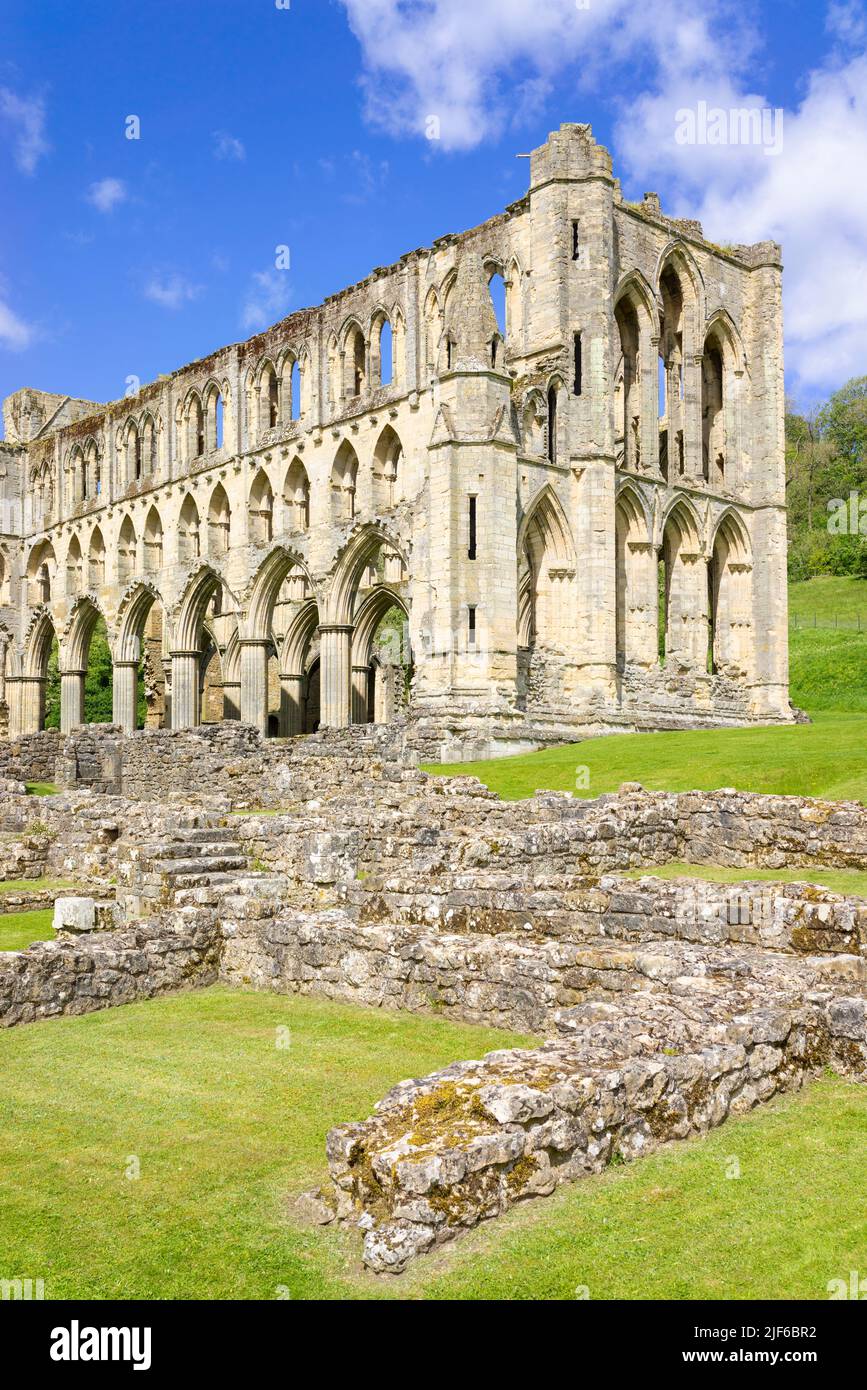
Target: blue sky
[(304, 126)]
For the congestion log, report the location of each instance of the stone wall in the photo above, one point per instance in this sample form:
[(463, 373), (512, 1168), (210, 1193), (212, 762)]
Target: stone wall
[(518, 980), (31, 757), (468, 1142), (51, 979)]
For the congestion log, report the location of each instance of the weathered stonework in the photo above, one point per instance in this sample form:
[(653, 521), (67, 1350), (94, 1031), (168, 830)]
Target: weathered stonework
[(665, 1005), (508, 490)]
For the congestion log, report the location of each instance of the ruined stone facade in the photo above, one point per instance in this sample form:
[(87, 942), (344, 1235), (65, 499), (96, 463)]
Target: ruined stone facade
[(577, 515)]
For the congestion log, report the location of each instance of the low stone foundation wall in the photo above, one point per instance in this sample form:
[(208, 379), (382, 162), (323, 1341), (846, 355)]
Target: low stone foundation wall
[(781, 916), (52, 979), (515, 982), (465, 1144)]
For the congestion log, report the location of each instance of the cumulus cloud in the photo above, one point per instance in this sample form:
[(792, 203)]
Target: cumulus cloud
[(798, 195), (479, 68), (15, 334), (227, 146), (106, 194), (267, 300), (171, 291), (24, 120)]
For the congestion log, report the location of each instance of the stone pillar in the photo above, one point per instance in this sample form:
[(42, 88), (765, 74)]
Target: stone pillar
[(186, 711), (649, 401), (31, 704), (124, 710), (692, 423), (360, 694), (254, 682), (291, 704), (334, 655), (641, 616), (71, 699)]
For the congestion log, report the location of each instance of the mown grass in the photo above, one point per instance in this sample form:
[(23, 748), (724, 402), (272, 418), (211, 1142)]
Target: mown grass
[(827, 598), (828, 678), (838, 880), (18, 930), (826, 758), (222, 1124), (41, 788)]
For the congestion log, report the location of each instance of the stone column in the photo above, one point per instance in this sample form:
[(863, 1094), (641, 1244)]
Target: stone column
[(124, 710), (254, 682), (334, 655), (27, 704), (641, 618), (291, 704), (186, 709), (71, 699), (692, 424), (360, 694)]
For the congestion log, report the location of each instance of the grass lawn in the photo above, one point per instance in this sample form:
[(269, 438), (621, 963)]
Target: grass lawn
[(223, 1123), (41, 788), (19, 929), (828, 673), (838, 880), (827, 598), (825, 758)]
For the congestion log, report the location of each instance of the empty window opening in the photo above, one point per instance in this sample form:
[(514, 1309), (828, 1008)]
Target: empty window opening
[(471, 544), (471, 624), (576, 241), (219, 422), (577, 354), (497, 291), (386, 355), (295, 392), (552, 424)]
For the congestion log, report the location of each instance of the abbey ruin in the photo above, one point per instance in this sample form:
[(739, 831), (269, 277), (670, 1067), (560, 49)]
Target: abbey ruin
[(569, 523)]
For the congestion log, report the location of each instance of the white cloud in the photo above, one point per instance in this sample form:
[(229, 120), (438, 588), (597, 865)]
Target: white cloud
[(228, 146), (15, 334), (171, 291), (24, 118), (268, 297), (106, 194), (809, 196), (481, 66)]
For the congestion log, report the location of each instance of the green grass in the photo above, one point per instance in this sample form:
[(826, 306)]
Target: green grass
[(827, 597), (19, 929), (224, 1124), (828, 671), (838, 880), (36, 885), (41, 788), (826, 758)]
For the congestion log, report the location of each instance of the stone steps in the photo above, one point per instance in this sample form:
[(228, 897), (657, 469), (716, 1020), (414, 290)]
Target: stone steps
[(201, 864)]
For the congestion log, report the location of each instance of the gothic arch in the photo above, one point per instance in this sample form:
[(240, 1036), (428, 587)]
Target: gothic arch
[(132, 616), (360, 551), (547, 566), (266, 585), (75, 641)]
